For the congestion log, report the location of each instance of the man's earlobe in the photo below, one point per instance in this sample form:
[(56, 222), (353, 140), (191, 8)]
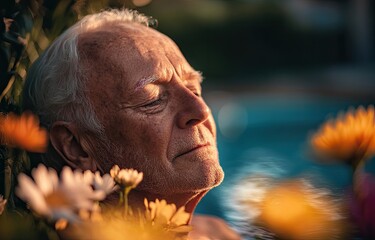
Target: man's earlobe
[(66, 141)]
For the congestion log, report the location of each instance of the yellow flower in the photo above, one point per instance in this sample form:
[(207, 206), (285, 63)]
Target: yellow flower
[(349, 138), (23, 132), (295, 210), (126, 177), (167, 215), (112, 227)]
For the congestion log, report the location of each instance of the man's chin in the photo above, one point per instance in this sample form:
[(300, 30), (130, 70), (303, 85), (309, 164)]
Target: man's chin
[(217, 179), (209, 176), (204, 180), (186, 183)]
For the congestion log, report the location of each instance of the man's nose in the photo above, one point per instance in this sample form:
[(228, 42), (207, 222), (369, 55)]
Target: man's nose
[(193, 112)]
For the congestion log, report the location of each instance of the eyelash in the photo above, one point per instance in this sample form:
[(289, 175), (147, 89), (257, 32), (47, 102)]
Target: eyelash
[(161, 98), (196, 92), (155, 103)]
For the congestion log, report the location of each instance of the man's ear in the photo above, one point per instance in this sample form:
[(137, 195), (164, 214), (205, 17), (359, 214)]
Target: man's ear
[(66, 141)]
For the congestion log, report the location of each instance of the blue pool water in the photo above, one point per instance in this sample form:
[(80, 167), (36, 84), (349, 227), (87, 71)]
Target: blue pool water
[(268, 133)]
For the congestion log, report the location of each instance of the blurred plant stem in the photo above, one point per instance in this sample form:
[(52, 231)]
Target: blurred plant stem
[(126, 200), (358, 170)]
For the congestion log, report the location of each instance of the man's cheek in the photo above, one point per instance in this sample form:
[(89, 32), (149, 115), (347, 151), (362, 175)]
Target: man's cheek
[(210, 124), (152, 137)]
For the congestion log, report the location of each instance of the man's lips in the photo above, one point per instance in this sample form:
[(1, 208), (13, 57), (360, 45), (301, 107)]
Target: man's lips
[(192, 149)]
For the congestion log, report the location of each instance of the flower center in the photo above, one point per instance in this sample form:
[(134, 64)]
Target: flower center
[(57, 199)]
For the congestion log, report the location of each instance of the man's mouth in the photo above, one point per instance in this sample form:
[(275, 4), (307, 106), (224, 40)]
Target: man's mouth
[(192, 149)]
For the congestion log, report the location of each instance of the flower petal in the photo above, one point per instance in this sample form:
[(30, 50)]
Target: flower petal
[(29, 192)]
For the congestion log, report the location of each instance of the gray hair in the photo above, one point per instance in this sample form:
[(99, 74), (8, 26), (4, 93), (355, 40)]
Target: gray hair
[(55, 86)]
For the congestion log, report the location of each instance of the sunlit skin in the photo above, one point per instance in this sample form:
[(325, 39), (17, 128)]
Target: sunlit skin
[(148, 99)]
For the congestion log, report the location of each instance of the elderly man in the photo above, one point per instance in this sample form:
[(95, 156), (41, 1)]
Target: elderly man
[(111, 90)]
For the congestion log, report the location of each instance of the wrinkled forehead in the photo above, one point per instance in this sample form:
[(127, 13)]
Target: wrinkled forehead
[(118, 44), (116, 59), (128, 51), (127, 34)]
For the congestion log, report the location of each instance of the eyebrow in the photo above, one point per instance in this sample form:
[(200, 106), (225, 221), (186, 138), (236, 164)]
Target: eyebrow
[(146, 80), (151, 79), (194, 75)]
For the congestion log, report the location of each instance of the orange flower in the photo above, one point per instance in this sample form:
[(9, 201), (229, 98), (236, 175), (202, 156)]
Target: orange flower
[(295, 210), (349, 138), (23, 132)]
